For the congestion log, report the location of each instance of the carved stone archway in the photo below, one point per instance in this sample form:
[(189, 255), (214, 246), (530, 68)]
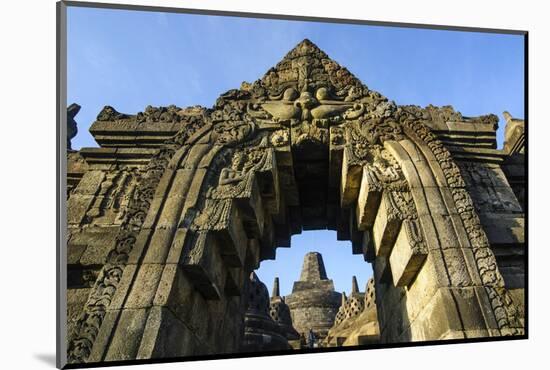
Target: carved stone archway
[(308, 146)]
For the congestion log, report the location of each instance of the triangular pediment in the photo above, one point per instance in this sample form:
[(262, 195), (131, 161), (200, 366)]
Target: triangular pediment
[(306, 67), (308, 71)]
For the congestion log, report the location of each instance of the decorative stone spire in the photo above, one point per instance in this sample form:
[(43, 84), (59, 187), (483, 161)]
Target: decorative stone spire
[(262, 332), (306, 68), (305, 48), (258, 300), (354, 286), (356, 321), (275, 292), (72, 129), (352, 306), (313, 303), (280, 313), (369, 294), (313, 268)]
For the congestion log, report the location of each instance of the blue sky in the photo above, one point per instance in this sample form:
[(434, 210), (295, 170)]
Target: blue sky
[(130, 59)]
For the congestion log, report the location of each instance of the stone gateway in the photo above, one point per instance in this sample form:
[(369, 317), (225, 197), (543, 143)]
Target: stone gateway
[(168, 218)]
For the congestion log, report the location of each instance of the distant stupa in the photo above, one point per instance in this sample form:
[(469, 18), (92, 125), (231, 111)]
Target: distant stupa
[(313, 303), (280, 313), (261, 332)]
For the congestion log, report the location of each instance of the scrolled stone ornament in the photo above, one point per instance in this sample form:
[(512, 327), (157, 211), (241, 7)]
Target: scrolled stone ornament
[(355, 112), (233, 132), (280, 138)]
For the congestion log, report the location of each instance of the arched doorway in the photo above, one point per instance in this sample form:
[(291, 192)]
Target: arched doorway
[(308, 146)]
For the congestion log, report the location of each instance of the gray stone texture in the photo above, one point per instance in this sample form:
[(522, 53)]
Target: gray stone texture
[(175, 209)]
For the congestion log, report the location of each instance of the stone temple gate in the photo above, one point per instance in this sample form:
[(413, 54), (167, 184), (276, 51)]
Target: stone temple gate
[(175, 209)]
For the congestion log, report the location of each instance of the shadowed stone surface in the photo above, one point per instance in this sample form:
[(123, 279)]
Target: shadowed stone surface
[(261, 331), (280, 313)]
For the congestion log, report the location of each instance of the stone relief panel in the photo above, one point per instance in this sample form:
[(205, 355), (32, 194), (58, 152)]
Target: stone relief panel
[(114, 195), (489, 188)]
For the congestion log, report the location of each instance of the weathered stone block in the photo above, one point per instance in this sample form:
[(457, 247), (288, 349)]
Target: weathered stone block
[(421, 290), (434, 320), (171, 212), (182, 181), (177, 249), (145, 286), (253, 209), (367, 203), (368, 246), (157, 202), (435, 204), (457, 268), (76, 300), (408, 254), (140, 246), (177, 293), (336, 151), (504, 229), (204, 266), (164, 183), (74, 252), (233, 282), (448, 314), (197, 154), (100, 241), (252, 261), (165, 336), (153, 213), (103, 339), (77, 206), (388, 297), (386, 227), (194, 191), (168, 281), (230, 232), (123, 288), (289, 189), (474, 306), (90, 182), (351, 179), (159, 246), (446, 231), (127, 337)]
